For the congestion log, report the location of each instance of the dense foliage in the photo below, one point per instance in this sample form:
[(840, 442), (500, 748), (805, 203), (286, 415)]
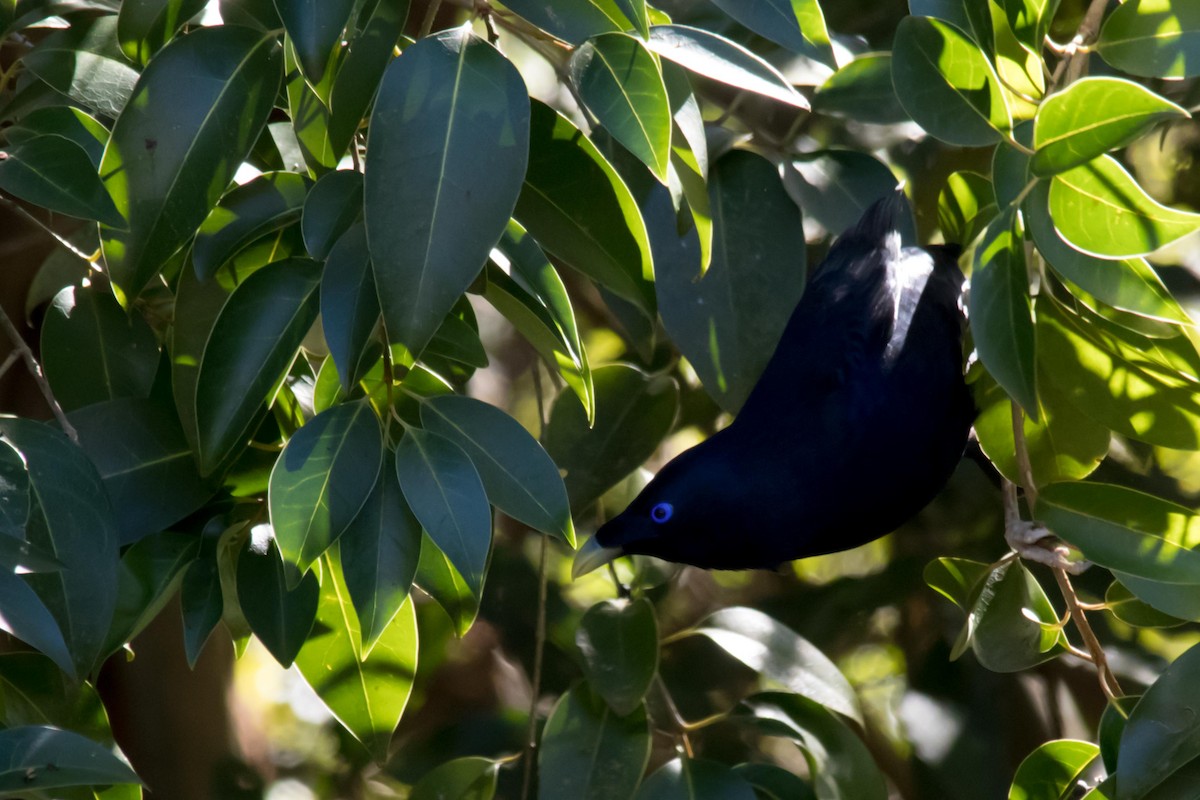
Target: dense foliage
[(312, 239)]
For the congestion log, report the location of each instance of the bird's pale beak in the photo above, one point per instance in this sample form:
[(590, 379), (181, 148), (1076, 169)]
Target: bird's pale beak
[(592, 555)]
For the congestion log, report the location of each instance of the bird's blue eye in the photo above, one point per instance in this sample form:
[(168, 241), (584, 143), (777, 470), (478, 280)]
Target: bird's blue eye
[(662, 512)]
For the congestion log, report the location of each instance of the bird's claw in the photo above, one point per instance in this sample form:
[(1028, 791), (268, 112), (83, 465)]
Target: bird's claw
[(1033, 541)]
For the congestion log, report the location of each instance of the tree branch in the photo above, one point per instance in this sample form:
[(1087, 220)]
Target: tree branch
[(39, 377)]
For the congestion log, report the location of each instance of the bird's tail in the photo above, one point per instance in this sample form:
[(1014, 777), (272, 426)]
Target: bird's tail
[(882, 217)]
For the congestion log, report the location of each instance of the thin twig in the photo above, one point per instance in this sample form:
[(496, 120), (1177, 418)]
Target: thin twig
[(681, 724), (431, 12), (1071, 65), (531, 743), (8, 362), (17, 207), (39, 377)]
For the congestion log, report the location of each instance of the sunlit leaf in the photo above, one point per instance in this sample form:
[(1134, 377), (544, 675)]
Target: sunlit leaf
[(55, 173), (271, 201), (1153, 38), (1052, 770)]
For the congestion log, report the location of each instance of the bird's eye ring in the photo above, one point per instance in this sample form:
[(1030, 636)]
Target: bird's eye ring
[(662, 512)]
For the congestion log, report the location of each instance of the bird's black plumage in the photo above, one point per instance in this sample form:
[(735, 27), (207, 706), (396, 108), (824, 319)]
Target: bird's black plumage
[(857, 422)]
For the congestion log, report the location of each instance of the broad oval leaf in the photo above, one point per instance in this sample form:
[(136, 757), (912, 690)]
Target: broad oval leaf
[(151, 571), (254, 339), (43, 757), (367, 695), (447, 154), (85, 63), (470, 778), (773, 782), (315, 30), (722, 60), (1091, 117), (1125, 530), (172, 153), (966, 206), (1100, 209), (573, 20), (695, 779), (1153, 38), (65, 121), (331, 207), (589, 752), (1123, 604), (862, 90), (619, 643), (797, 25), (27, 618), (1001, 311), (73, 522), (1162, 734), (349, 304), (444, 491), (778, 653), (577, 207), (280, 617), (947, 85), (1011, 625), (620, 83), (727, 323), (93, 351), (1051, 771), (438, 578), (321, 481), (271, 201), (361, 69), (634, 413), (518, 475), (144, 26), (57, 174)]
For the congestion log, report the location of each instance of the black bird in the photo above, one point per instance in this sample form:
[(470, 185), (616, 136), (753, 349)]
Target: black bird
[(854, 426)]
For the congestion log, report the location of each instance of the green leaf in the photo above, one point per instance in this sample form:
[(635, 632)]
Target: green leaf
[(1091, 117), (447, 154), (197, 306), (1100, 209), (779, 654), (36, 757), (695, 779), (517, 474), (1001, 311), (620, 83), (634, 413), (1030, 20), (577, 207), (444, 491), (1011, 171), (1161, 736), (246, 213), (773, 782), (722, 60), (361, 69), (93, 351), (1020, 67), (966, 206), (200, 596), (333, 204), (349, 304), (1124, 529), (797, 25), (863, 91), (55, 173), (144, 26), (379, 552), (839, 762), (85, 63), (65, 121), (310, 116), (253, 341), (14, 492), (835, 187), (367, 695), (1126, 607), (590, 753), (438, 578), (321, 481), (150, 573), (969, 16), (1112, 725), (619, 643), (73, 522), (727, 323), (956, 579), (173, 153), (1129, 284), (315, 30), (470, 778), (947, 85), (524, 287), (37, 694), (1051, 771), (27, 618), (1153, 38), (281, 618), (144, 460), (573, 20), (1011, 625)]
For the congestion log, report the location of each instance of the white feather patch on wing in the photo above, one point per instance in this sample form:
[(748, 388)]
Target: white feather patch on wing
[(907, 276)]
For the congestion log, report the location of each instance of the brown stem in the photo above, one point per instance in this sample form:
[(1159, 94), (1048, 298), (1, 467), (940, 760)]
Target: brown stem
[(39, 377), (1071, 65), (539, 646), (430, 14)]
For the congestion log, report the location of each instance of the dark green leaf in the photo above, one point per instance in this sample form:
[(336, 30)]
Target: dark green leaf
[(41, 757), (321, 481), (150, 572), (620, 83), (244, 214), (619, 643), (197, 306), (862, 90), (331, 207), (1052, 770), (1001, 311), (578, 208), (797, 25), (35, 693), (999, 627), (144, 460), (966, 206), (200, 596), (1112, 725), (173, 153), (727, 323), (970, 17), (471, 778), (144, 26), (71, 123), (1011, 170), (572, 20), (772, 782), (1132, 611), (431, 218), (27, 618), (56, 173), (361, 69), (947, 85), (310, 116), (253, 341), (634, 412), (62, 268), (438, 578), (1161, 735), (695, 779), (315, 30), (14, 492), (74, 523), (1153, 38), (588, 752), (716, 57), (349, 304), (367, 696), (835, 187), (444, 491), (85, 63), (93, 351), (279, 617)]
